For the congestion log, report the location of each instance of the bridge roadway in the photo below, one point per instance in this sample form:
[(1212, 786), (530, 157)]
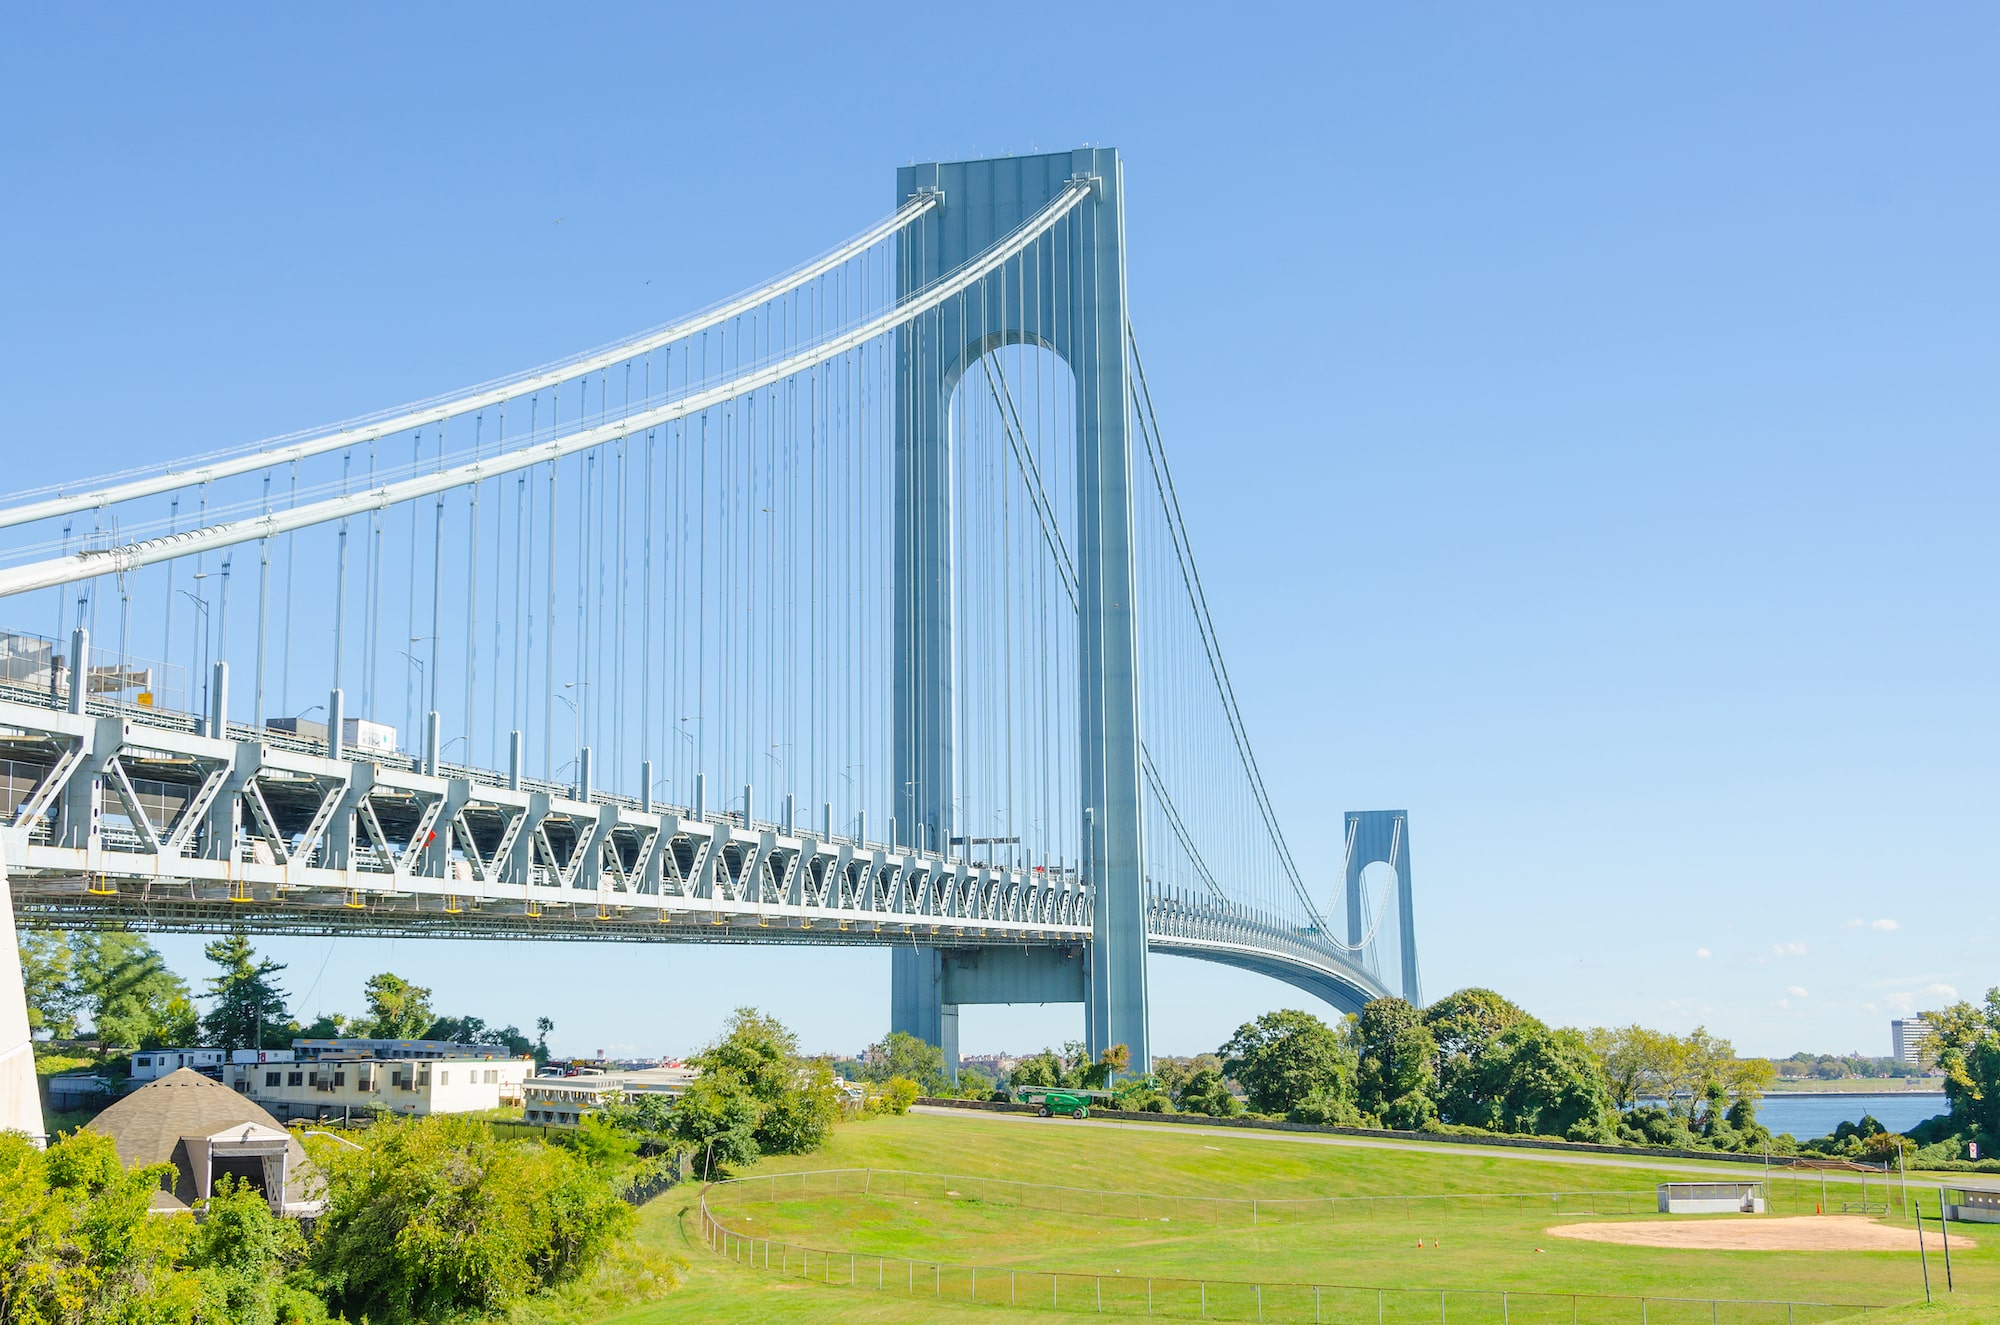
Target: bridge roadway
[(124, 816)]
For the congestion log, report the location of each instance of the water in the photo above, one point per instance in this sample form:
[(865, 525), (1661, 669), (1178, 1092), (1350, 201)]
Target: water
[(1810, 1116)]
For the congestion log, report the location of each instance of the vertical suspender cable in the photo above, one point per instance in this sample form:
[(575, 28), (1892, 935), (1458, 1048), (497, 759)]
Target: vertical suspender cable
[(472, 589), (410, 605), (493, 656), (340, 590), (646, 611), (263, 613)]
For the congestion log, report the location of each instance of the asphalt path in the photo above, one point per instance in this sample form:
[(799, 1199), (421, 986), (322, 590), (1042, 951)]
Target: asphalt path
[(1198, 1133)]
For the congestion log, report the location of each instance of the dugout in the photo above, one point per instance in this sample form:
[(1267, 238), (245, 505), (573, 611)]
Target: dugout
[(1711, 1198)]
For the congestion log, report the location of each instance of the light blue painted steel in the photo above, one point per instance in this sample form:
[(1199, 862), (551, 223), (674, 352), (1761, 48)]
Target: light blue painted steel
[(1077, 310), (1383, 836), (916, 1001), (1014, 975)]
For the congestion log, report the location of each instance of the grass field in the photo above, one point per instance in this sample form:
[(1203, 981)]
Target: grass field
[(1480, 1245)]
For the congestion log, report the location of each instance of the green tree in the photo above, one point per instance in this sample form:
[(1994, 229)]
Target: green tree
[(509, 1038), (434, 1219), (1042, 1069), (1466, 1026), (1636, 1061), (756, 1095), (647, 1114), (1697, 1076), (126, 990), (1395, 1076), (542, 1028), (717, 1118), (397, 1009), (48, 971), (1173, 1074), (1207, 1091), (1283, 1058), (1543, 1082), (895, 1097), (248, 1007), (1100, 1074), (799, 1116), (900, 1054), (333, 1026), (1968, 1049), (474, 1030), (1142, 1095), (605, 1146)]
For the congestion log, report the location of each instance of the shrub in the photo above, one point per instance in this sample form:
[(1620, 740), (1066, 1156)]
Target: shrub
[(895, 1096), (241, 1249), (1206, 1092), (77, 1246), (435, 1217)]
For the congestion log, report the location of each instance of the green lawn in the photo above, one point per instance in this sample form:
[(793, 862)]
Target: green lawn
[(1479, 1244)]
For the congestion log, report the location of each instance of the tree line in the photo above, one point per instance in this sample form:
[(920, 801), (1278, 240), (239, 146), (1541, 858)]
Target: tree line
[(1471, 1061), (113, 987)]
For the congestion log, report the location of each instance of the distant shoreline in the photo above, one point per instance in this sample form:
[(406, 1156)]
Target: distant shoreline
[(1807, 1090)]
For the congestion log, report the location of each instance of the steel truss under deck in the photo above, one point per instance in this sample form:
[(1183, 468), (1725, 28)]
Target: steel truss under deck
[(111, 819), (122, 817)]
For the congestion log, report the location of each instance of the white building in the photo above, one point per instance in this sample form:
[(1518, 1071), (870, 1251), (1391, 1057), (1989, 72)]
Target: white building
[(344, 1087), (1910, 1041), (364, 1048), (152, 1064), (567, 1101)]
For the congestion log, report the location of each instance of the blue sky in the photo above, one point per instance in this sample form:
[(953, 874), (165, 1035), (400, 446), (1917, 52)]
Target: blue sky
[(1590, 417)]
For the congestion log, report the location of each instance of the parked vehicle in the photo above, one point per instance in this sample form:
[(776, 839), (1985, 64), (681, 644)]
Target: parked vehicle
[(1051, 1102)]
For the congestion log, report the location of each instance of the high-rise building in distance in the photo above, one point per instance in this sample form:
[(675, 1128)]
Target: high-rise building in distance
[(1910, 1040)]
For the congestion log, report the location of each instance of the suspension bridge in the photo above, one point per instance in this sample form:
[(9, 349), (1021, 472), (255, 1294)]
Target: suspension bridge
[(856, 609)]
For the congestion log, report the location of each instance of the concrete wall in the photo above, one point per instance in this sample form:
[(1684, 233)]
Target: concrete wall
[(20, 1096)]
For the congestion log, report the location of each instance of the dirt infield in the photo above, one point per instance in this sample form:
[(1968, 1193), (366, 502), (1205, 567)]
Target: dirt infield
[(1722, 1233)]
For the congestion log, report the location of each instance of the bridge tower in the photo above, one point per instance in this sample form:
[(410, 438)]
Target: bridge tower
[(1073, 304), (1383, 836)]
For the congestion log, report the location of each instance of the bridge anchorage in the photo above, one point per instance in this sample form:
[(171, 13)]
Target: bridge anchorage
[(886, 552)]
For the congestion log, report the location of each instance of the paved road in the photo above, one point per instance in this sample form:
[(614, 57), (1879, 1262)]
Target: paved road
[(1739, 1172)]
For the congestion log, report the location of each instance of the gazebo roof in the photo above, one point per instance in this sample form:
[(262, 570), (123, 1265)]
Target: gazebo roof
[(153, 1124)]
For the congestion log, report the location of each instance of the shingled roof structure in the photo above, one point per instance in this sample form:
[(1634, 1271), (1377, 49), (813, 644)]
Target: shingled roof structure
[(206, 1130)]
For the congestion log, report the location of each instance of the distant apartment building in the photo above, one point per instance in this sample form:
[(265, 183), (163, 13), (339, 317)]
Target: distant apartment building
[(364, 1048), (1910, 1039), (996, 1066), (343, 1087), (567, 1101), (152, 1064)]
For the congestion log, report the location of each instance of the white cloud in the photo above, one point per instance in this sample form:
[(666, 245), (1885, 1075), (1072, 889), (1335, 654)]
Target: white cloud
[(1703, 953), (1930, 996), (1854, 924), (1782, 1003), (1795, 991), (1788, 949), (1885, 926)]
